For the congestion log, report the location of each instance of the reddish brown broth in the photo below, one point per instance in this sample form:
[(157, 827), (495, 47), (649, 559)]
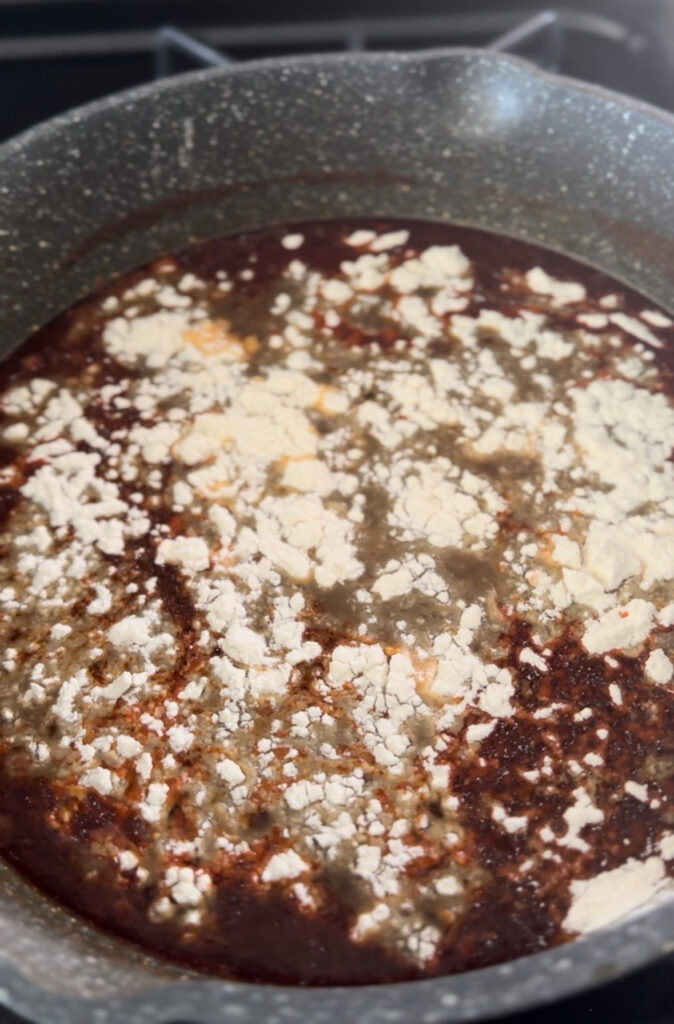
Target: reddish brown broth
[(265, 937)]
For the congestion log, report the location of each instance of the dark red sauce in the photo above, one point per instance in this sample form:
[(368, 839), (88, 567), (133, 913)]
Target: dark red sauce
[(265, 937)]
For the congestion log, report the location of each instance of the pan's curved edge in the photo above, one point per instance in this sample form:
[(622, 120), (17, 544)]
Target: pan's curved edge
[(487, 993), (54, 125)]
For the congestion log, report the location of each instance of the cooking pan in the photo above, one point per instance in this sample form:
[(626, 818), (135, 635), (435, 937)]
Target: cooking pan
[(481, 139)]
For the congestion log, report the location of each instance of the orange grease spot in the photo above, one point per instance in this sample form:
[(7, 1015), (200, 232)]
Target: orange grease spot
[(213, 337)]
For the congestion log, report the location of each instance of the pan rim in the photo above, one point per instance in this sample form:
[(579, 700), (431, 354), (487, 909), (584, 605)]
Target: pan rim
[(44, 129)]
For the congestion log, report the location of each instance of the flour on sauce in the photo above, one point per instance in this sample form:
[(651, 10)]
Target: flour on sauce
[(337, 593)]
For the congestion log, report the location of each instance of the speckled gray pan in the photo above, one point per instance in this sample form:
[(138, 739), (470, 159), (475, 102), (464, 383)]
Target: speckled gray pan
[(457, 135)]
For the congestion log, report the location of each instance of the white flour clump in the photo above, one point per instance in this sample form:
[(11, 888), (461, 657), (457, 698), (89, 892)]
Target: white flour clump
[(613, 894)]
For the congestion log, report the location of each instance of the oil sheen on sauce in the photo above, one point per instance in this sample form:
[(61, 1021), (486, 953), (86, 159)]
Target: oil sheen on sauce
[(336, 570)]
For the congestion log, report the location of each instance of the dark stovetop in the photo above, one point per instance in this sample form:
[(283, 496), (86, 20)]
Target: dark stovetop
[(55, 54)]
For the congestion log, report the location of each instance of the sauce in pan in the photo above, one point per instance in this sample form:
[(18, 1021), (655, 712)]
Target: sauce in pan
[(336, 580)]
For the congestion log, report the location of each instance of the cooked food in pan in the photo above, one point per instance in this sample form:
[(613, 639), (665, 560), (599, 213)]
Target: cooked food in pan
[(337, 591)]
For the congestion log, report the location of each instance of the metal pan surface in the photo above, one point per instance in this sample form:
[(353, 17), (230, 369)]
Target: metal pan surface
[(457, 135)]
